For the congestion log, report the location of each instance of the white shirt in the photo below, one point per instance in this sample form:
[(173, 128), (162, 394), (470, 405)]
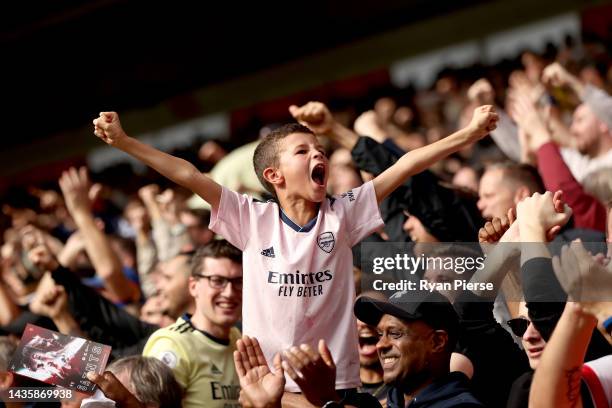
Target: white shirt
[(298, 281)]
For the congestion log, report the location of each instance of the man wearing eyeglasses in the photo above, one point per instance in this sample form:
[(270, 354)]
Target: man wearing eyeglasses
[(417, 333), (199, 348)]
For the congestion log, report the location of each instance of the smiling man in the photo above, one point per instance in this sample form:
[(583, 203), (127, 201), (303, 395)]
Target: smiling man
[(417, 334), (199, 348)]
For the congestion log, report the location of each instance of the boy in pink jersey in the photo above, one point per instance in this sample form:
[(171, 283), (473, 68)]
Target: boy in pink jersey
[(297, 256)]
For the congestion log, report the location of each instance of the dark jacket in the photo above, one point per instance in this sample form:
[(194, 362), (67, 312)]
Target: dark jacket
[(373, 157), (101, 320), (450, 391), (497, 359), (448, 214)]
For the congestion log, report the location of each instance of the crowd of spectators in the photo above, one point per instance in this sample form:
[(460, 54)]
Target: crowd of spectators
[(156, 271)]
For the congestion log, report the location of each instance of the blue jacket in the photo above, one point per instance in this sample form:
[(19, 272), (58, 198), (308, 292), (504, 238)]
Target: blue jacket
[(449, 391)]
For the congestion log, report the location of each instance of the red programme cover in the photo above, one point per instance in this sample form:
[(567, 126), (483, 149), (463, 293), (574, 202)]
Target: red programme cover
[(58, 359)]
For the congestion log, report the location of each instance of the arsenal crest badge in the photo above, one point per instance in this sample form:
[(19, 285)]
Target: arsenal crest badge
[(326, 241)]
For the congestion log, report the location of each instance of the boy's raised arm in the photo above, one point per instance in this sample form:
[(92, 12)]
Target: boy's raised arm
[(415, 161), (317, 117), (108, 128)]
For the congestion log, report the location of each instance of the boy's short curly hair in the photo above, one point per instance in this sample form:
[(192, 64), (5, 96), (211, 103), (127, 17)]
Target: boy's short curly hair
[(266, 153)]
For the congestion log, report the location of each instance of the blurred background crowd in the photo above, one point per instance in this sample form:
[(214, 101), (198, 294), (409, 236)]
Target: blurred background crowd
[(120, 237)]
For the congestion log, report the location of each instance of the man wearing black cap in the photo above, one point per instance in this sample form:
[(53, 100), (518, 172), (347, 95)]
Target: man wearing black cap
[(418, 331)]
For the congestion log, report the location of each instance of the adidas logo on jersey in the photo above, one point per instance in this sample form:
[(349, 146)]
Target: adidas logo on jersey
[(269, 252), (215, 370)]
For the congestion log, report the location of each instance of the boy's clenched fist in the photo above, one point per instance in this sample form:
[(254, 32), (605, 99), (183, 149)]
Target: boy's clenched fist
[(108, 128)]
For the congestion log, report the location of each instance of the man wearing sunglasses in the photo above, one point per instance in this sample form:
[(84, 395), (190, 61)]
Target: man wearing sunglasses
[(532, 340), (199, 348)]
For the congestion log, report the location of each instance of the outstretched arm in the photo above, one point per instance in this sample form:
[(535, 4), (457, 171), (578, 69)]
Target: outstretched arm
[(415, 161), (317, 117), (75, 187), (108, 128), (560, 367)]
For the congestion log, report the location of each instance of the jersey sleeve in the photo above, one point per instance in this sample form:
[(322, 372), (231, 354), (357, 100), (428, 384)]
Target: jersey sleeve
[(598, 376), (170, 353), (361, 212), (232, 219)]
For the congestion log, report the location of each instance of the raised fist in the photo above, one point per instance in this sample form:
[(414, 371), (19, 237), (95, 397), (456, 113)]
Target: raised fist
[(50, 299), (483, 122), (149, 193), (493, 230), (108, 128), (556, 75), (313, 115)]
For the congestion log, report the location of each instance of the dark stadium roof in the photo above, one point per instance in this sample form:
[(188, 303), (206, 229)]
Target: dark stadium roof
[(62, 59)]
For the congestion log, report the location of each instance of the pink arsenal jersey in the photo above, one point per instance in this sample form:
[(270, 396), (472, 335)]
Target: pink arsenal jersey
[(298, 281)]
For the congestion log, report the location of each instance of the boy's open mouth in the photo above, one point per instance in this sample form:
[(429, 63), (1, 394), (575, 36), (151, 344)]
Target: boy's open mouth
[(318, 174)]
